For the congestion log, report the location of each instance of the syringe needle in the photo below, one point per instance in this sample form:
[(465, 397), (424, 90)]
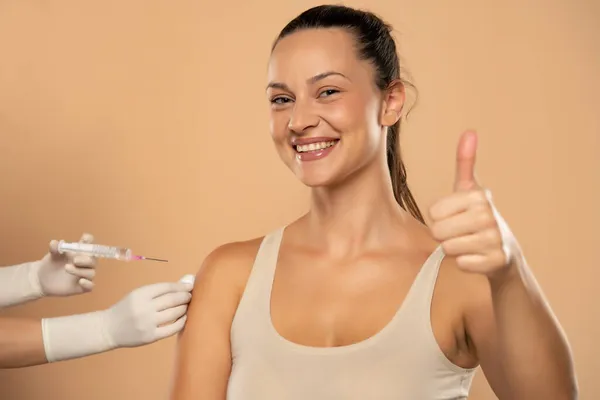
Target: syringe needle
[(148, 258), (155, 259)]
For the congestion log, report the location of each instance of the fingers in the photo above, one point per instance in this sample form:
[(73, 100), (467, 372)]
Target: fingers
[(87, 273), (171, 300), (159, 289), (481, 262), (171, 314), (478, 243), (168, 303), (474, 220), (171, 329), (83, 267), (465, 162), (468, 227), (456, 203), (86, 284), (83, 261), (86, 238), (172, 307)]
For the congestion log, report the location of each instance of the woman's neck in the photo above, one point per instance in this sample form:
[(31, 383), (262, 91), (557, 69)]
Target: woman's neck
[(359, 214)]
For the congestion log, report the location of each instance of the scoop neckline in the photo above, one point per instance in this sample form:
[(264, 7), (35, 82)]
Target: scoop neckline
[(363, 343)]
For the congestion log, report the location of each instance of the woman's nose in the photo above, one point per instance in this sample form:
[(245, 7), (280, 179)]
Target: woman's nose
[(302, 118)]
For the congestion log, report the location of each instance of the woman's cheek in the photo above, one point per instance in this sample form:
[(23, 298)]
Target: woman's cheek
[(343, 115), (278, 124)]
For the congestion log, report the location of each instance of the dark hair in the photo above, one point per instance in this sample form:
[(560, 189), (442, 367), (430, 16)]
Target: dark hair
[(376, 45)]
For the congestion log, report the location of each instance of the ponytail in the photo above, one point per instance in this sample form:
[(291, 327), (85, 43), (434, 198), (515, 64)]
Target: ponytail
[(398, 174)]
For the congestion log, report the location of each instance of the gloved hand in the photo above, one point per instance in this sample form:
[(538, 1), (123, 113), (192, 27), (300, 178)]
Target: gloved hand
[(146, 315), (54, 275), (65, 274)]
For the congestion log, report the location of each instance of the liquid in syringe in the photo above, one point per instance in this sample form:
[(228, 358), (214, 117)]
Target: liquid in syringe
[(102, 251)]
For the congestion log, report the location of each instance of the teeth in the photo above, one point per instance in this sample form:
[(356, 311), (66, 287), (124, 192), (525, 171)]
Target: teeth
[(314, 146)]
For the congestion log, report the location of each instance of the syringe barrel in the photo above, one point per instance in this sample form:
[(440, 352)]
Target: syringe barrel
[(95, 250)]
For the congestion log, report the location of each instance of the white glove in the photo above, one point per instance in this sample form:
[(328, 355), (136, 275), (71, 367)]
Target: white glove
[(141, 317), (54, 275), (146, 315), (65, 274)]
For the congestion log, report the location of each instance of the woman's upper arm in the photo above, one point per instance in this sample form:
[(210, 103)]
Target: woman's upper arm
[(203, 361), (483, 333)]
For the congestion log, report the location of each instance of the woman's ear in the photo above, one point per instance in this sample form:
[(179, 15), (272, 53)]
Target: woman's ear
[(393, 103)]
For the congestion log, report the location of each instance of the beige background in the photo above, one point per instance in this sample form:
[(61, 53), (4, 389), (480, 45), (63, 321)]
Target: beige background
[(145, 123)]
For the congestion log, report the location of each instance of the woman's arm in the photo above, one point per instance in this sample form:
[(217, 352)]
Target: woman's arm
[(522, 349), (520, 345), (203, 362)]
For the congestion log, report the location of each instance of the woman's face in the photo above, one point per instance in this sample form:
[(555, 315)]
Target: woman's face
[(326, 111)]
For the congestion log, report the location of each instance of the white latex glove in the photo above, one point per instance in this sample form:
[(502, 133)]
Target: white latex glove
[(146, 315), (54, 275), (65, 274)]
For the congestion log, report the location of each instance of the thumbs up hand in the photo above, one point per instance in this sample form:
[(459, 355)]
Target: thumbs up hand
[(467, 224)]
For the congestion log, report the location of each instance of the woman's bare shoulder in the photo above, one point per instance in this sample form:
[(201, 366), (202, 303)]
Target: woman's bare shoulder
[(229, 263), (220, 283)]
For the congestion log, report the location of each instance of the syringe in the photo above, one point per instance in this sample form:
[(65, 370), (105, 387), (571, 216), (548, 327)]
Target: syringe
[(97, 250)]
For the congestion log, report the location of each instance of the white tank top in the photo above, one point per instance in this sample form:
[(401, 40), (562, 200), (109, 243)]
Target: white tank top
[(402, 361)]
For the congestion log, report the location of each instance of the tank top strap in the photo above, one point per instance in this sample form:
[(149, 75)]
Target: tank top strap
[(418, 303), (255, 302), (266, 262)]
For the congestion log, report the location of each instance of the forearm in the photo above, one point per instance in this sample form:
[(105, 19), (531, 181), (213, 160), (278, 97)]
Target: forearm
[(19, 284), (535, 355), (21, 343), (25, 342), (76, 336)]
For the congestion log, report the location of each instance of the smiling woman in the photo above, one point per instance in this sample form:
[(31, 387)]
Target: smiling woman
[(359, 299)]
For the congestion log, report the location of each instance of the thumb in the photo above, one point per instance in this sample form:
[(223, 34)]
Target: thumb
[(465, 162), (188, 279), (53, 247)]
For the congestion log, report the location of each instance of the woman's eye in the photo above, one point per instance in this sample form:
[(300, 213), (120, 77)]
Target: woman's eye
[(280, 100), (328, 92)]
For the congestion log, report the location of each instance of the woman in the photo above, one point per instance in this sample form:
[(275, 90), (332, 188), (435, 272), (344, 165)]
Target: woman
[(359, 299)]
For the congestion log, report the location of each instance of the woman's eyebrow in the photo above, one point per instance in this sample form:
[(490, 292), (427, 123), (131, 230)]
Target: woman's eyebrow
[(314, 79)]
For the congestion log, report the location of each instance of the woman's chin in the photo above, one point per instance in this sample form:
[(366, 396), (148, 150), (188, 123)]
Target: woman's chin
[(316, 179), (317, 173)]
